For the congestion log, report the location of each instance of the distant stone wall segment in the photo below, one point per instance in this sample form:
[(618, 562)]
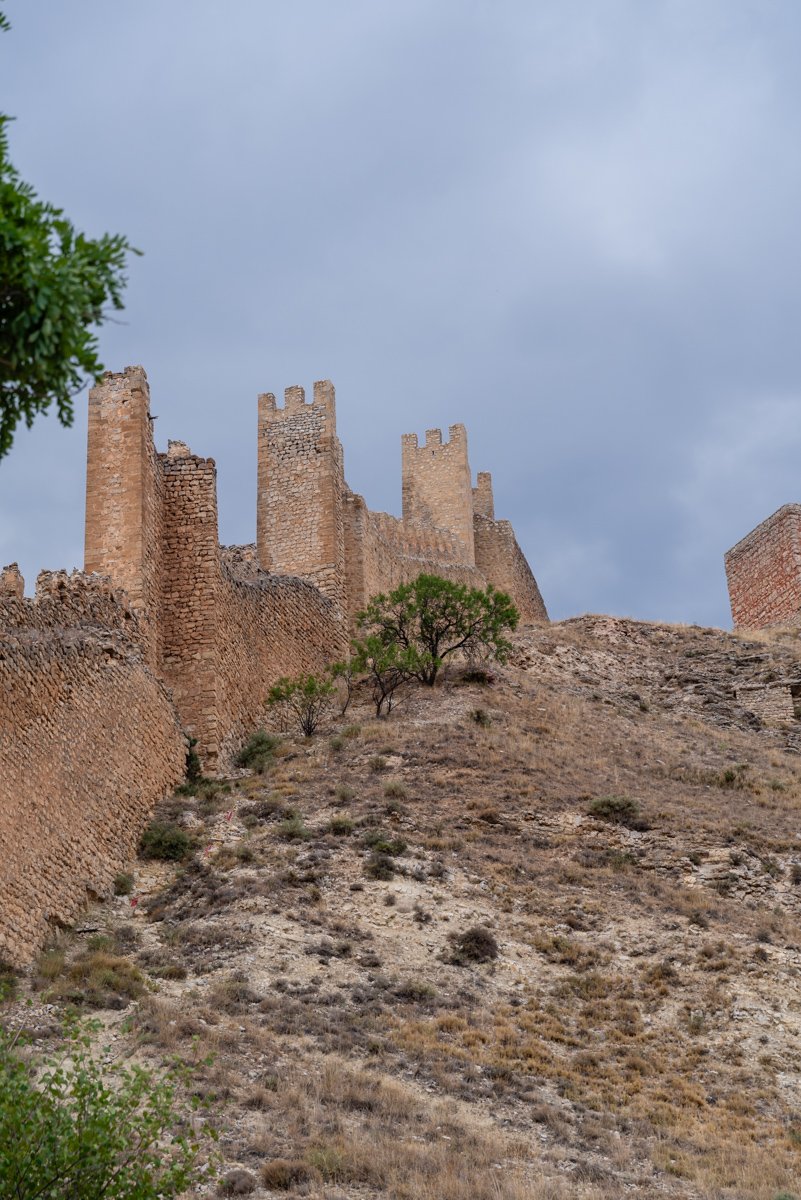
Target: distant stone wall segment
[(763, 572), (168, 635)]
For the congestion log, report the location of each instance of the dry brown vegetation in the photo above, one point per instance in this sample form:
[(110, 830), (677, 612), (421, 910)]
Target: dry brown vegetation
[(608, 818)]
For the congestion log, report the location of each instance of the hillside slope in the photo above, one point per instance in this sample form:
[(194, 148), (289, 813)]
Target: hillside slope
[(607, 811)]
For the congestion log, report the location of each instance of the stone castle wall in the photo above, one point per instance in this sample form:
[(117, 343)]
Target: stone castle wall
[(89, 742), (168, 635), (219, 641), (502, 563), (763, 572)]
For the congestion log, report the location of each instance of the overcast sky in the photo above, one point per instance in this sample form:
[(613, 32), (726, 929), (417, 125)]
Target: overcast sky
[(571, 224)]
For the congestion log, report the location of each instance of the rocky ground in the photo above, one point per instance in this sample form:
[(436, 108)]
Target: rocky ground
[(535, 938)]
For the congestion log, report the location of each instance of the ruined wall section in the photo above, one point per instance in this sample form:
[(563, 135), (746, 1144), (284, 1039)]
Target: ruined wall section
[(301, 484), (503, 564), (763, 572), (89, 742), (124, 497), (382, 551), (437, 485), (268, 626)]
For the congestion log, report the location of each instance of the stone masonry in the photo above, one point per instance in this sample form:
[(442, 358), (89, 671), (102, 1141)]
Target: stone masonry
[(167, 635), (763, 572)]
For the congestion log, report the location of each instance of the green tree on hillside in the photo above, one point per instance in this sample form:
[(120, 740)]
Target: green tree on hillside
[(434, 618), (56, 286)]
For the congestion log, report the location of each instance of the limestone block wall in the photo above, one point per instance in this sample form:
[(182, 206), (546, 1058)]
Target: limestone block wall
[(269, 626), (772, 703), (763, 572), (382, 551), (89, 742), (502, 562)]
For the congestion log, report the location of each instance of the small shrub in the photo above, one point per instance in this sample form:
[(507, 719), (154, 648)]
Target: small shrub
[(481, 717), (237, 1183), (395, 791), (193, 771), (379, 866), (165, 842), (8, 982), (377, 764), (351, 731), (281, 1174), (341, 826), (302, 701), (772, 867), (795, 873), (293, 829), (336, 743), (123, 883), (257, 753), (478, 675), (343, 793), (380, 843), (476, 944), (618, 810), (262, 810)]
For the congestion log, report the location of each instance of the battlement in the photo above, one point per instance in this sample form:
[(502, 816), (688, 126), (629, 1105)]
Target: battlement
[(483, 499), (437, 489), (11, 582), (323, 400), (456, 434)]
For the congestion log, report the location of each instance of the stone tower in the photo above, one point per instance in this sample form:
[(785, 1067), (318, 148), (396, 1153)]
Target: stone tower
[(301, 483)]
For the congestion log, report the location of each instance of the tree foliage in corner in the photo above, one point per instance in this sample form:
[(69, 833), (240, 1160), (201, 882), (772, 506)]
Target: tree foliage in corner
[(72, 1130), (56, 286), (434, 618)]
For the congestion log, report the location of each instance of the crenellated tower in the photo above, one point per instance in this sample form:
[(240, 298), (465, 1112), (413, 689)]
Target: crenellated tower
[(437, 485), (301, 483)]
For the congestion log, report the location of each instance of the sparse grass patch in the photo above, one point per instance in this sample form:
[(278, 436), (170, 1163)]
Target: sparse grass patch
[(98, 979), (341, 826), (292, 829), (282, 1174)]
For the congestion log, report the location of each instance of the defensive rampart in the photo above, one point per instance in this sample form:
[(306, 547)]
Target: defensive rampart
[(168, 635), (89, 741)]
